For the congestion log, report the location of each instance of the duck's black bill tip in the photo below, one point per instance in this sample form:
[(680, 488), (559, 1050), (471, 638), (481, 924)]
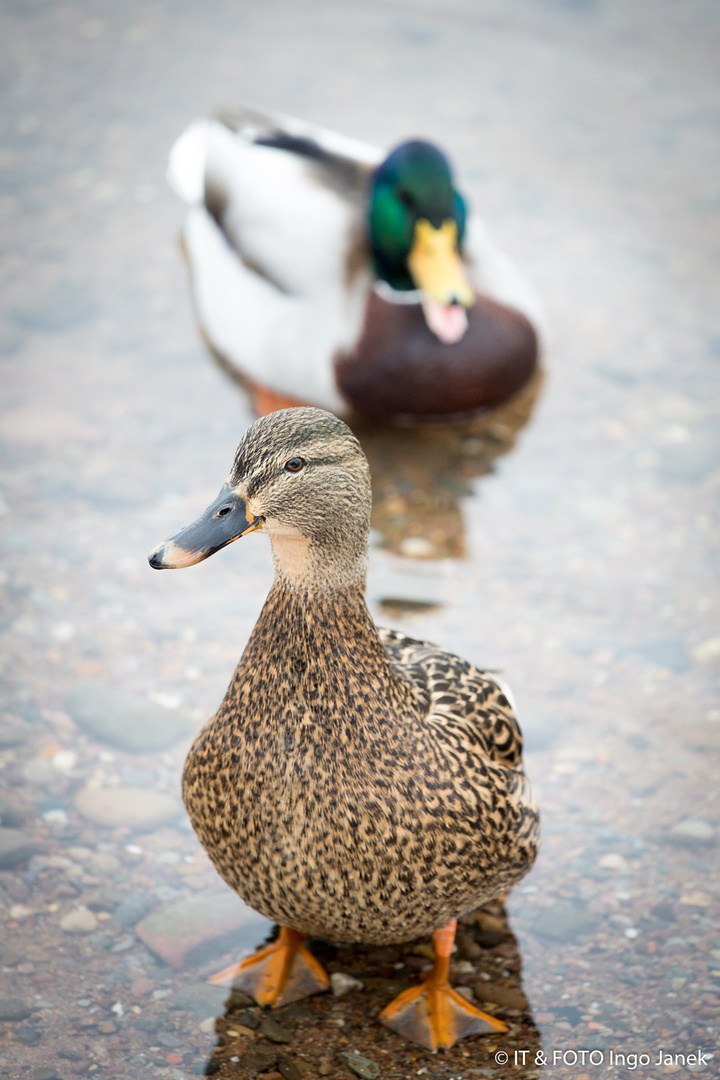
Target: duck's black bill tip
[(171, 556)]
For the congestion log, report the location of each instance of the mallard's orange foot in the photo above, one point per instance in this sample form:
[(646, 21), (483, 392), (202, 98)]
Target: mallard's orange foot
[(283, 972), (433, 1014), (267, 401)]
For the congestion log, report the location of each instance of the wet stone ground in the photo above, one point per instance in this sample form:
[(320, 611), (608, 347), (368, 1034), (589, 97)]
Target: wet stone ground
[(570, 540)]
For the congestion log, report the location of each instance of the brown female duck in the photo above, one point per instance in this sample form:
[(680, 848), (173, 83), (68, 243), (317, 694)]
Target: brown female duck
[(355, 784)]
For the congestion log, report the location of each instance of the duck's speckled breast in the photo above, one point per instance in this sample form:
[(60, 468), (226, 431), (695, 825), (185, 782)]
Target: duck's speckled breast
[(329, 805)]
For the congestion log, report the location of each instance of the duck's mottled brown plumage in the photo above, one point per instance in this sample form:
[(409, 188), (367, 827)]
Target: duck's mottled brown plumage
[(355, 783)]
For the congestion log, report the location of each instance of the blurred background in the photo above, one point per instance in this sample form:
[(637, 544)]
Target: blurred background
[(580, 557)]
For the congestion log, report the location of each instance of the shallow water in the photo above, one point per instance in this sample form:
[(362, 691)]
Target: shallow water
[(576, 553)]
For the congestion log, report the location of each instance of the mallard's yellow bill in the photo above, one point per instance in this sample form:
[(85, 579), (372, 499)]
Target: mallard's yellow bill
[(438, 271), (436, 266)]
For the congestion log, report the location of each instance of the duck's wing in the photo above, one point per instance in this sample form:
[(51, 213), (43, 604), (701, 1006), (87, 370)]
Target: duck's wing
[(471, 708), (287, 196), (265, 125), (494, 274)]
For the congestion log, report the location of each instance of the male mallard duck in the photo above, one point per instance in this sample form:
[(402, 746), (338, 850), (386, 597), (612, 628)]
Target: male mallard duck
[(329, 274), (355, 784)]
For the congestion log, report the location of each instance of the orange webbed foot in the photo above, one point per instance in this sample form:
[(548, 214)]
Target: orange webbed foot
[(283, 972), (433, 1014)]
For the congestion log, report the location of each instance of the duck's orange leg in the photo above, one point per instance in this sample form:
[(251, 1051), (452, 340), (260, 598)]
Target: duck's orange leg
[(283, 972), (433, 1014), (267, 401)]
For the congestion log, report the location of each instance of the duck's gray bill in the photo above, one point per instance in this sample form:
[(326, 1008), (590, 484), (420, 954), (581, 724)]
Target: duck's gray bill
[(225, 520)]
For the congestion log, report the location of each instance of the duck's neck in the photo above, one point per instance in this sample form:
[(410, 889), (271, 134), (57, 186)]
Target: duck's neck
[(335, 562), (320, 651)]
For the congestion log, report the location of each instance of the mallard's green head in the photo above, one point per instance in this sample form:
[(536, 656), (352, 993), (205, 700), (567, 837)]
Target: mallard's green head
[(417, 224)]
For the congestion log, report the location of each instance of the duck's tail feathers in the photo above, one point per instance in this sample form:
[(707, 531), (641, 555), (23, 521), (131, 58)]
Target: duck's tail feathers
[(186, 163)]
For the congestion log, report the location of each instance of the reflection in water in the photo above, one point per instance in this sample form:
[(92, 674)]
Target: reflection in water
[(310, 1037), (420, 475)]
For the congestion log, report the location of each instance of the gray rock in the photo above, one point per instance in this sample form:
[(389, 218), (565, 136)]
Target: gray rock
[(15, 848), (287, 1068), (275, 1032), (361, 1066), (194, 930), (13, 1009), (131, 910), (564, 921), (28, 1035), (128, 723), (100, 940), (200, 999), (259, 1058)]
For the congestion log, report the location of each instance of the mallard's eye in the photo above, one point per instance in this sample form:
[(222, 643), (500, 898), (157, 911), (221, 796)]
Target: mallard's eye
[(295, 464)]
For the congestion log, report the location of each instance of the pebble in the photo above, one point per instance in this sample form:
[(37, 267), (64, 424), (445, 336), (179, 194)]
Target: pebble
[(103, 865), (137, 808), (288, 1069), (79, 921), (45, 1074), (707, 651), (14, 886), (342, 984), (15, 848), (189, 931), (361, 1066), (612, 861), (693, 830), (100, 940), (106, 1027), (20, 911), (507, 996), (259, 1059), (13, 1009), (126, 722)]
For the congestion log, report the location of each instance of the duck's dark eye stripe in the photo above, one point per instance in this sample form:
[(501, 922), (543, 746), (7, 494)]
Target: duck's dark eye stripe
[(295, 464)]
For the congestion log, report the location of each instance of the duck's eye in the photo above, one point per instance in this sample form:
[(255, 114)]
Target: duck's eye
[(295, 464)]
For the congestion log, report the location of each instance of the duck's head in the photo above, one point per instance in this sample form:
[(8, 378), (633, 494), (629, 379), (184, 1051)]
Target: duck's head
[(300, 476), (417, 224)]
